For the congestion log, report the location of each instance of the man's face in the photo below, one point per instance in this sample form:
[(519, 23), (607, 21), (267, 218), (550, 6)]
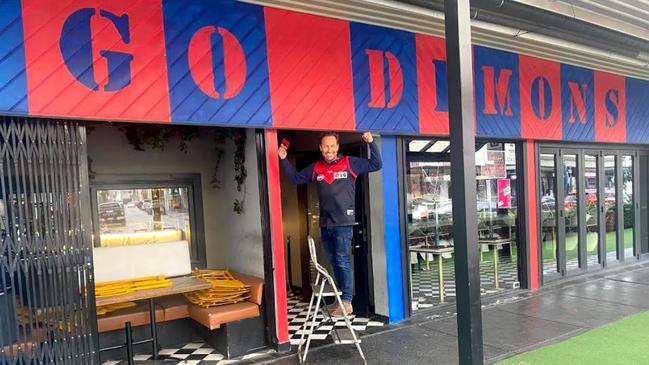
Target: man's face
[(329, 148)]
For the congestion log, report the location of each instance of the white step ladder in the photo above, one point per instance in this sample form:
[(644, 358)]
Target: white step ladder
[(324, 286)]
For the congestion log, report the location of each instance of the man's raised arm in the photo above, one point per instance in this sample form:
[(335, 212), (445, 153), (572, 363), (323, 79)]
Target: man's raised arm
[(374, 163), (299, 178)]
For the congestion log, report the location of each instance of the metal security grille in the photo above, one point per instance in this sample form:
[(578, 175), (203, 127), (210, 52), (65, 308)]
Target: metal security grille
[(47, 307)]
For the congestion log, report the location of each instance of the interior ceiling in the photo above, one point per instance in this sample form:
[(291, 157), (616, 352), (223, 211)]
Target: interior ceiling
[(626, 16), (308, 141)]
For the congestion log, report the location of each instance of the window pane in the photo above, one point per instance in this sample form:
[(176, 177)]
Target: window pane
[(592, 212), (143, 216), (627, 200), (571, 211), (610, 196), (548, 213)]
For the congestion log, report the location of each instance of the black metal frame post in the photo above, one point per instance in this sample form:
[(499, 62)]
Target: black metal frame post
[(581, 212), (601, 237), (465, 226), (636, 205), (269, 272), (560, 247), (619, 205), (522, 233), (403, 168)]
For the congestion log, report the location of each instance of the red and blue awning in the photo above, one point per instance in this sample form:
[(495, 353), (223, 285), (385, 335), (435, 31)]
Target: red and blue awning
[(236, 64)]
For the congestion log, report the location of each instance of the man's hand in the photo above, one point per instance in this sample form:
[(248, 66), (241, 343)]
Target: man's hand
[(367, 137), (281, 152)]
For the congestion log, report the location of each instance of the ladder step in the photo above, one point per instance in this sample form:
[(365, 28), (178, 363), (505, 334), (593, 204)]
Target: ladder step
[(327, 294), (328, 291)]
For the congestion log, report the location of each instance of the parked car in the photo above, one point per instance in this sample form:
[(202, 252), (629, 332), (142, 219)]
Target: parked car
[(548, 202), (112, 213), (570, 201), (146, 205)]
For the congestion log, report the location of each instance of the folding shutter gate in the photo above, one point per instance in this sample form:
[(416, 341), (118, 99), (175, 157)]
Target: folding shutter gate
[(47, 306)]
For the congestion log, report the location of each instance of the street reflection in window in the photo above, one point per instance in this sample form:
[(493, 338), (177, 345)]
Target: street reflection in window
[(143, 216)]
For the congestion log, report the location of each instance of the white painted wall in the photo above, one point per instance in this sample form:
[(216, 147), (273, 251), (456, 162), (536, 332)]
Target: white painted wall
[(231, 240), (377, 234)]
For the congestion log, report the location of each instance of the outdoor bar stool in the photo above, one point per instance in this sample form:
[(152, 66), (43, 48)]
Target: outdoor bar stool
[(324, 286)]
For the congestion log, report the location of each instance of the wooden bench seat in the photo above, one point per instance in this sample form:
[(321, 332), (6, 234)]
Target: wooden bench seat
[(174, 307), (233, 329), (214, 317), (138, 316)]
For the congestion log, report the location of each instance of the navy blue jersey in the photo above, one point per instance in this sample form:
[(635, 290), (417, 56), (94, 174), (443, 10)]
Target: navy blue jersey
[(336, 184)]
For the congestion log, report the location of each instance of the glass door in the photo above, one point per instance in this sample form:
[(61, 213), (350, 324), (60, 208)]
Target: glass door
[(567, 186), (629, 205), (594, 207), (570, 212), (591, 210), (611, 216), (549, 213)]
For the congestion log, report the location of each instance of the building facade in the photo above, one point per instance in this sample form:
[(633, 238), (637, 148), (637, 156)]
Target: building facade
[(562, 144)]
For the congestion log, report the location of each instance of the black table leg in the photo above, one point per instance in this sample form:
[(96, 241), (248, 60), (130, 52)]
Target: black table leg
[(129, 343), (154, 329)]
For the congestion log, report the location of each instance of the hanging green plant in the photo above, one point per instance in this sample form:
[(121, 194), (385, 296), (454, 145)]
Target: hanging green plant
[(156, 137)]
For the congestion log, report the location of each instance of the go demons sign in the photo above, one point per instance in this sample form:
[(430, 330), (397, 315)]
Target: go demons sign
[(231, 63)]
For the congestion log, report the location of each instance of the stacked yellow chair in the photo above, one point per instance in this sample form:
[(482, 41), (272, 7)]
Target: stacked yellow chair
[(225, 289), (111, 288)]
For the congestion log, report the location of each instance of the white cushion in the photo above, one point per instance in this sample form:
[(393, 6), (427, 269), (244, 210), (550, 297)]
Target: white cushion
[(137, 261)]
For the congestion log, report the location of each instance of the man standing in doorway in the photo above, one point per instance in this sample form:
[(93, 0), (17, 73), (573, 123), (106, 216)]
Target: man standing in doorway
[(335, 178)]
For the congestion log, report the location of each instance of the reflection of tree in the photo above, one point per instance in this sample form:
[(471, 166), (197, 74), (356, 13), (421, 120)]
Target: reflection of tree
[(428, 180), (157, 195), (102, 196)]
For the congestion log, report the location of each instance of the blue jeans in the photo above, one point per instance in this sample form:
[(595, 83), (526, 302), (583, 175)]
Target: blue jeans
[(337, 243)]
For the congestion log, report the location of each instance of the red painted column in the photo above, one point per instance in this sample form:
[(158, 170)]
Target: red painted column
[(532, 215), (277, 236)]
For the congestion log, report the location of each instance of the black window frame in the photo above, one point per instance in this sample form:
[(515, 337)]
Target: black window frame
[(149, 181), (600, 149)]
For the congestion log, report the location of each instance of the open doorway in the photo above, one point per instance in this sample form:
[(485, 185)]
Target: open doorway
[(301, 218)]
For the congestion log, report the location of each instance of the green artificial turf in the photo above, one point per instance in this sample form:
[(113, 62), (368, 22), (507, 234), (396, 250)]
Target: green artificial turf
[(624, 342), (571, 244)]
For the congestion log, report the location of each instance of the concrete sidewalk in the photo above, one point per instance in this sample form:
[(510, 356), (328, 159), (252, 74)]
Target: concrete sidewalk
[(512, 323)]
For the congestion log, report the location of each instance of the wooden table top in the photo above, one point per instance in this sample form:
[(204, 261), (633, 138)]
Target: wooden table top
[(494, 241), (179, 285), (431, 249)]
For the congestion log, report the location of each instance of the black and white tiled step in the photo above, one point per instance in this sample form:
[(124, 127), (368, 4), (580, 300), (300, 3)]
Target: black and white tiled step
[(194, 354), (203, 354), (324, 329)]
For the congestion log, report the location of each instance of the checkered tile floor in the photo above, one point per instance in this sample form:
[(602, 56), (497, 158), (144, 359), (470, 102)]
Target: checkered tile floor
[(324, 332), (550, 265), (203, 354), (194, 354), (425, 283)]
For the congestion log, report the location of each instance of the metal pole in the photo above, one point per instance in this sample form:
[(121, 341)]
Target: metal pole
[(465, 226)]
